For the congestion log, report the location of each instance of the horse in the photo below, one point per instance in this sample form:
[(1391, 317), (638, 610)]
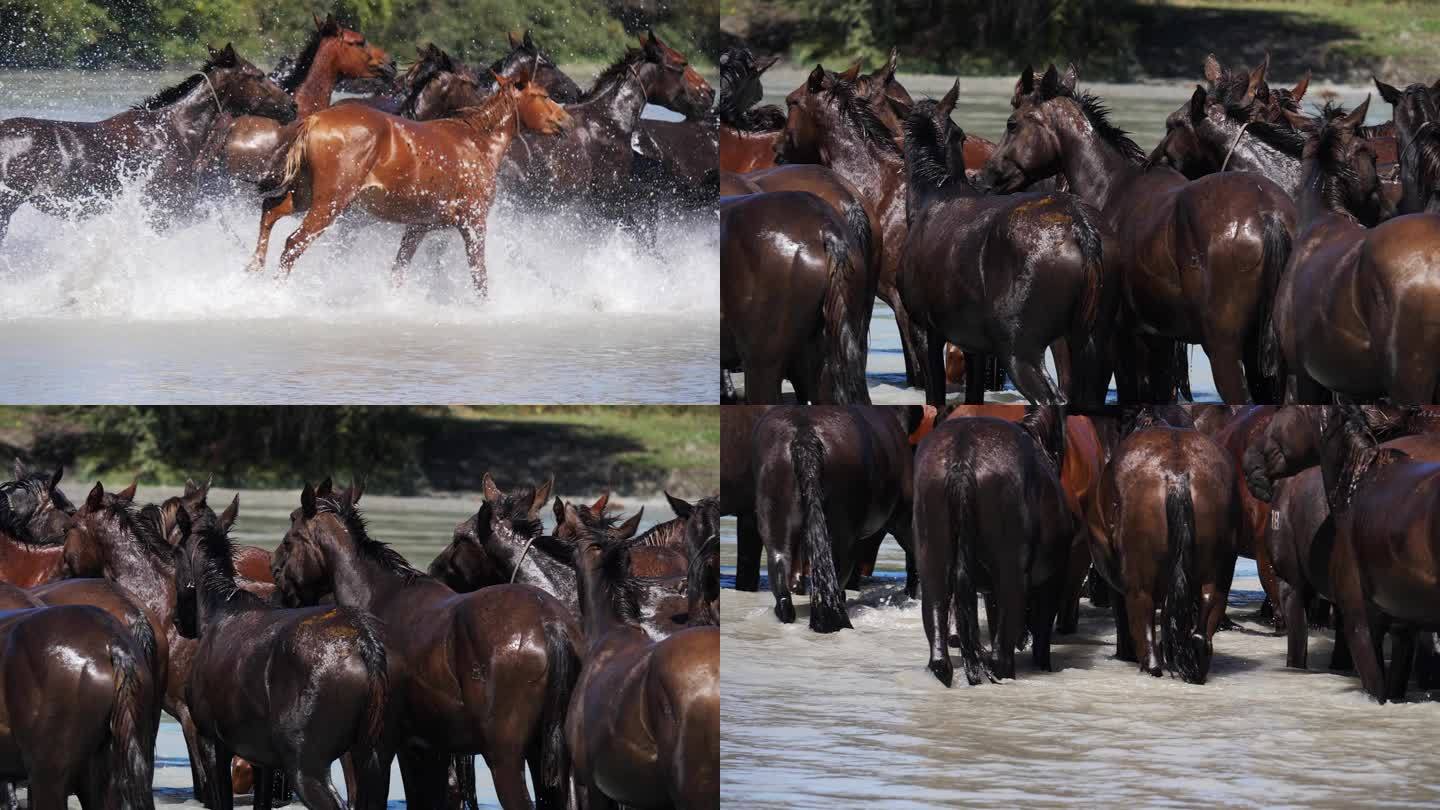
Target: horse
[(591, 163), (1007, 276), (795, 293), (527, 57), (828, 479), (109, 538), (428, 175), (702, 546), (33, 516), (1196, 260), (1020, 561), (76, 709), (1356, 312), (256, 673), (251, 562), (748, 134), (1416, 116), (489, 672), (1162, 530), (333, 52), (737, 488), (66, 168), (643, 727), (1236, 438), (829, 186)]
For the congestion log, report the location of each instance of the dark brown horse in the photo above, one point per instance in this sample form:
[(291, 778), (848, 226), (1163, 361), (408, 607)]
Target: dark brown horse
[(795, 297), (1163, 535), (258, 669), (1018, 558), (1196, 260), (488, 672), (1358, 312), (1236, 438), (828, 479), (1417, 119), (526, 57), (332, 53), (737, 488), (748, 134), (33, 516), (702, 545), (77, 709), (1007, 276), (643, 728), (251, 562), (829, 186), (428, 175), (69, 167)]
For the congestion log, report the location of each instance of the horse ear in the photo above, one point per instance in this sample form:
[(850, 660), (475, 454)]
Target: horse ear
[(528, 42), (307, 501), (1071, 77), (331, 24), (679, 506), (572, 519), (851, 73), (20, 470), (901, 109), (182, 522), (55, 477), (1197, 104), (627, 530), (947, 103), (1300, 87), (319, 23), (1050, 82), (1356, 117), (559, 510), (1026, 85), (817, 79), (891, 64), (600, 503), (1212, 68), (227, 518), (326, 488), (763, 65), (514, 39), (190, 488), (542, 497), (1257, 81), (96, 498), (1297, 121), (1390, 93), (128, 493), (357, 488), (650, 44), (487, 486)]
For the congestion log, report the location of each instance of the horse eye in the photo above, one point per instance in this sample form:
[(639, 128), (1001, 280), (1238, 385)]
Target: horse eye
[(1010, 125)]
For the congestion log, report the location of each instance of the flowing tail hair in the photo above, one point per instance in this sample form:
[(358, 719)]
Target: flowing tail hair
[(564, 672), (827, 598), (144, 636), (132, 729), (1092, 256), (294, 161), (847, 316), (1180, 637), (960, 492), (1276, 246)]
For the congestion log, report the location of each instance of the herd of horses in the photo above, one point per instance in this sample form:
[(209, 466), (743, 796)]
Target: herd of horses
[(428, 148), (1337, 504), (589, 655), (1297, 250)]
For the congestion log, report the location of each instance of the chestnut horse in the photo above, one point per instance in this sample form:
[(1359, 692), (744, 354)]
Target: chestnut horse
[(1019, 557), (332, 53), (1358, 313), (428, 175), (643, 727), (1162, 530), (77, 709), (33, 516), (1007, 276), (63, 167), (1196, 260), (827, 480), (489, 672)]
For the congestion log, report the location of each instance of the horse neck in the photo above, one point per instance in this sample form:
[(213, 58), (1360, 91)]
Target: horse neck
[(623, 101), (1311, 202), (531, 569), (1093, 167), (192, 116), (597, 611), (1252, 154), (496, 133), (921, 194), (215, 603), (356, 579), (1419, 191), (313, 93), (876, 173), (146, 578)]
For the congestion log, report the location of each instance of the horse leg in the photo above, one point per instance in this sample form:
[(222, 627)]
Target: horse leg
[(9, 202), (473, 232), (1427, 661), (508, 773), (762, 380), (199, 755), (423, 775), (264, 786), (1226, 363), (313, 786), (222, 790), (1064, 363), (1010, 601), (935, 370), (1340, 658), (1402, 659), (1030, 377), (915, 368), (777, 542), (1124, 644), (1067, 615), (1140, 608), (272, 209), (1297, 635), (974, 379), (935, 562), (748, 549), (409, 243), (322, 214), (47, 790), (597, 800), (1358, 625)]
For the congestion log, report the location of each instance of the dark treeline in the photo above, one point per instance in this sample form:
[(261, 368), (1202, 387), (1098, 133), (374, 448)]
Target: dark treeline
[(158, 33)]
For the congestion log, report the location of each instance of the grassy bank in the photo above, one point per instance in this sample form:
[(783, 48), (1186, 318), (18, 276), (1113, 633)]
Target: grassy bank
[(395, 450)]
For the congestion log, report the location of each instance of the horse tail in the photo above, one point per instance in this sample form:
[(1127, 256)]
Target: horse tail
[(1275, 252), (1092, 260), (1180, 369), (144, 636), (827, 598), (1180, 615), (846, 326), (960, 492), (564, 665), (859, 223), (377, 675), (294, 159), (132, 731)]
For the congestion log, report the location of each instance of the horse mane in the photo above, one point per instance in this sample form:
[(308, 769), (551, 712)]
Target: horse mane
[(1046, 426), (612, 74), (354, 521), (1361, 452), (764, 118), (1099, 116), (924, 151), (1333, 171), (1382, 129), (485, 115), (300, 69), (652, 535), (150, 531), (217, 580), (857, 110), (1426, 148), (514, 508), (170, 95), (429, 71), (737, 64), (621, 589), (13, 524)]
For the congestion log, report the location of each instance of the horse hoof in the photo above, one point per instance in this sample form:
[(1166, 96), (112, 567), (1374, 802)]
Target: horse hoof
[(785, 612), (944, 671)]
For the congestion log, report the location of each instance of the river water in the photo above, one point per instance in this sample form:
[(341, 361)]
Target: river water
[(116, 308), (417, 527), (854, 719), (983, 107)]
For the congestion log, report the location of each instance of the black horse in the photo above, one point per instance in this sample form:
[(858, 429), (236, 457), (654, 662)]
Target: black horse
[(1018, 556)]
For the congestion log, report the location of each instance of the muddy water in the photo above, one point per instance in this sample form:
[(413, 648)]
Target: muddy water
[(982, 109), (854, 719), (418, 527)]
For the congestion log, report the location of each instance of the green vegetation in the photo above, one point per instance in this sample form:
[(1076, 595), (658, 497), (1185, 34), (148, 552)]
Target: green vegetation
[(159, 33), (1341, 40), (396, 450)]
